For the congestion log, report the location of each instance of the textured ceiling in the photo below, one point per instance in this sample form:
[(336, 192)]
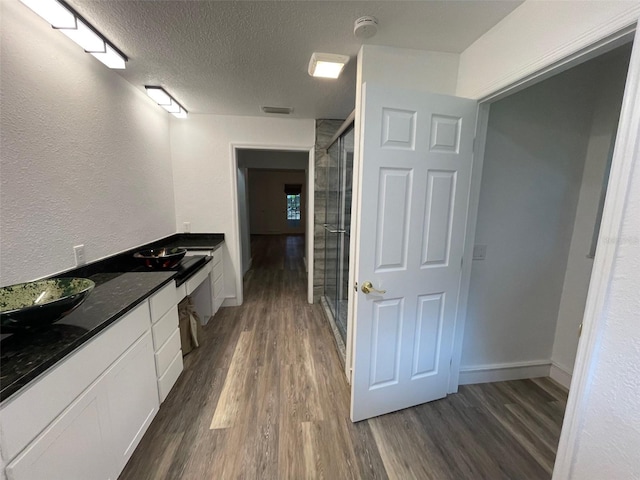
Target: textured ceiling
[(231, 57)]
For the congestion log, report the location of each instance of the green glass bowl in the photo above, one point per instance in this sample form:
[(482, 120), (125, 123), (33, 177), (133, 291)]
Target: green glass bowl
[(32, 305)]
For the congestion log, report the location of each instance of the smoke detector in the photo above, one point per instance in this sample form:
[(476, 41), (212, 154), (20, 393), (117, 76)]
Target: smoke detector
[(365, 27)]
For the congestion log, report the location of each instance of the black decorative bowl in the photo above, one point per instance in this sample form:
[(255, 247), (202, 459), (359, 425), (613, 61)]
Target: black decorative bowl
[(161, 257), (32, 305)]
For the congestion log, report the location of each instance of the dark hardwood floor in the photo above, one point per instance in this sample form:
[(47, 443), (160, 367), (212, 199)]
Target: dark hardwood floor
[(265, 397)]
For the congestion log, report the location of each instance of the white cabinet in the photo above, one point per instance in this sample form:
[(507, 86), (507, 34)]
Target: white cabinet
[(76, 446), (133, 398), (83, 418), (208, 297), (166, 339)]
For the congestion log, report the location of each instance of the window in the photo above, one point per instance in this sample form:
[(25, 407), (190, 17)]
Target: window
[(293, 207), (293, 193)]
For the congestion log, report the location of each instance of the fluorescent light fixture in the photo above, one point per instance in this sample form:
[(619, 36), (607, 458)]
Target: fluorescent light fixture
[(181, 114), (62, 17), (166, 101), (89, 40), (327, 65), (159, 95), (53, 12), (110, 58)]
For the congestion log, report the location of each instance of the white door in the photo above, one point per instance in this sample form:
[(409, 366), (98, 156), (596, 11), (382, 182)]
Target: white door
[(414, 177)]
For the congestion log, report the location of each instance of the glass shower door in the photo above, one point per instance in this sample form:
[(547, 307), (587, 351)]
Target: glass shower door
[(338, 228), (332, 231)]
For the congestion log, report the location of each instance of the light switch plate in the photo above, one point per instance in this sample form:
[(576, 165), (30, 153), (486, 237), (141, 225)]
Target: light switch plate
[(187, 227), (479, 252)]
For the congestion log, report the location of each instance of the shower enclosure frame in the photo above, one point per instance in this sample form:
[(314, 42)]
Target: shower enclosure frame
[(337, 228)]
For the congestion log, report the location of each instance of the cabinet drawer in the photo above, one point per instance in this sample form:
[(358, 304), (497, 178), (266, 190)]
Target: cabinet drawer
[(217, 256), (163, 329), (168, 380), (162, 301), (217, 271), (26, 415), (165, 355), (193, 253), (198, 278)]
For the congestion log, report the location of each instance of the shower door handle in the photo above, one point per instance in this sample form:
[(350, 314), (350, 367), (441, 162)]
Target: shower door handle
[(328, 228), (367, 287)]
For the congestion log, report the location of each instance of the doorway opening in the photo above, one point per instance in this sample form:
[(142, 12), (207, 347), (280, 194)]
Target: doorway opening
[(274, 198), (546, 165)]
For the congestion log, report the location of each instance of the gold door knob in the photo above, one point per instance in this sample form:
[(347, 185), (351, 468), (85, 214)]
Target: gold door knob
[(367, 287)]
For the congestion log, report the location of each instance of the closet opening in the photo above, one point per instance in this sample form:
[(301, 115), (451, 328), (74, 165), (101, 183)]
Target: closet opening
[(544, 180)]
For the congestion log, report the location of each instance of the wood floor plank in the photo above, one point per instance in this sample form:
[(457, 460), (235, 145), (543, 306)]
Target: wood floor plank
[(233, 393), (269, 381)]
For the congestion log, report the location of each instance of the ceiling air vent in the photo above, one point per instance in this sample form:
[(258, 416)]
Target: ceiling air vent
[(278, 110)]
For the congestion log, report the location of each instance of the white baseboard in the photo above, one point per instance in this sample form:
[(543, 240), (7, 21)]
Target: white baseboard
[(501, 372), (560, 374), (230, 302)]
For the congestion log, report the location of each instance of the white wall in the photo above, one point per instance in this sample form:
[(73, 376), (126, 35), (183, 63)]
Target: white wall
[(610, 78), (205, 176), (85, 155), (534, 157), (251, 158), (434, 72), (534, 36), (268, 204)]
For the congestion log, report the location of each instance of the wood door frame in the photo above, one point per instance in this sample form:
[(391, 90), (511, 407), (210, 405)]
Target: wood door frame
[(309, 228), (627, 148)]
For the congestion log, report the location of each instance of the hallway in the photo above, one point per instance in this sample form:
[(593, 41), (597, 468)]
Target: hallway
[(265, 397)]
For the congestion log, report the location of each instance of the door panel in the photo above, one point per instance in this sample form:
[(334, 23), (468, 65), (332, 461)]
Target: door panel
[(441, 188), (394, 209), (386, 342), (415, 171)]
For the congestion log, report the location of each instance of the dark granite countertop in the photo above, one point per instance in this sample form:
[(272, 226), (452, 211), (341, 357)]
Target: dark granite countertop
[(121, 285)]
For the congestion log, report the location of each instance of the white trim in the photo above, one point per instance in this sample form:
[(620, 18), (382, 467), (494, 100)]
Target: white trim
[(500, 372), (560, 374), (594, 50), (238, 299), (573, 49), (626, 152), (310, 241)]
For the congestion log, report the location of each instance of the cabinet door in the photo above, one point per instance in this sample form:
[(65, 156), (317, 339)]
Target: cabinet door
[(76, 446), (132, 397)]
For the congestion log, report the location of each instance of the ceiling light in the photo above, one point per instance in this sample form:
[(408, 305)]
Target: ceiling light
[(89, 40), (53, 12), (62, 17), (327, 65), (110, 58), (166, 101)]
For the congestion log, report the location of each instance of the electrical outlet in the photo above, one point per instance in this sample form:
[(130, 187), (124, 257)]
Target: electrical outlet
[(187, 227), (78, 250), (479, 252)]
